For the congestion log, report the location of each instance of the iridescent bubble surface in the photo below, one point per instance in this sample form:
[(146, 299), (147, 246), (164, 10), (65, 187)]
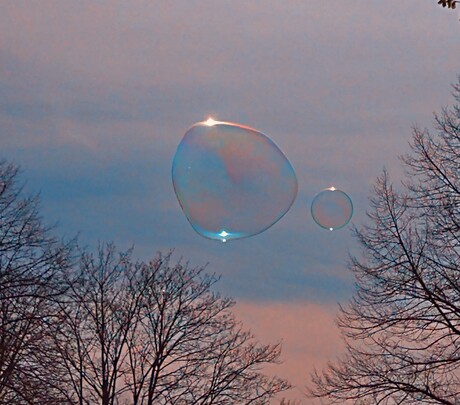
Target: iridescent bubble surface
[(332, 209), (231, 181)]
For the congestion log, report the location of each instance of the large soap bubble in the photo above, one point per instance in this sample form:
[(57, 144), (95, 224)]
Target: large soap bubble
[(332, 209), (231, 181)]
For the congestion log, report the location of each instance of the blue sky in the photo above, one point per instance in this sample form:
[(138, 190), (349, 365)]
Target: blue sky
[(96, 96)]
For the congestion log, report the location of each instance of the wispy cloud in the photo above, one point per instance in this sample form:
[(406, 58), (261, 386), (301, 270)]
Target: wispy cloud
[(309, 335)]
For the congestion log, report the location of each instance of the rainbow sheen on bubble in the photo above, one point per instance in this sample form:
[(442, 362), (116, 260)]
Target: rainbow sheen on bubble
[(231, 181), (332, 209)]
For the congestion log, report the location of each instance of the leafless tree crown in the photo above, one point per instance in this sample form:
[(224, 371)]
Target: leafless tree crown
[(156, 333), (31, 262), (402, 327)]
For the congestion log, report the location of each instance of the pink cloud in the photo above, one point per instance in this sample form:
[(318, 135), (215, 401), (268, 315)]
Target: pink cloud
[(308, 332)]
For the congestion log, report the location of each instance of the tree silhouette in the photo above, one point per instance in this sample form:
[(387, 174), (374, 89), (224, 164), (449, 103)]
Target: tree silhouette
[(30, 264), (402, 327), (448, 3), (156, 333)]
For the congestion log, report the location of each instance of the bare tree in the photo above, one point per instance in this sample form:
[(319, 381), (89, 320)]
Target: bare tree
[(188, 347), (448, 3), (155, 333), (30, 263), (402, 327), (95, 322)]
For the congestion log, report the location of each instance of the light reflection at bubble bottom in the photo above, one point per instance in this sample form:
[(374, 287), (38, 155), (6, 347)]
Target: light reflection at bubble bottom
[(231, 181)]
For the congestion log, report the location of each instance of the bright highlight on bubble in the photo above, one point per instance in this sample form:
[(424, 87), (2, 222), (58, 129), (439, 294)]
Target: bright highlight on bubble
[(332, 209), (210, 122), (231, 181)]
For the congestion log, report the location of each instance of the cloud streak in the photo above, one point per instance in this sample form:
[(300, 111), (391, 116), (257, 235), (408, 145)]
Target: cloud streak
[(309, 335)]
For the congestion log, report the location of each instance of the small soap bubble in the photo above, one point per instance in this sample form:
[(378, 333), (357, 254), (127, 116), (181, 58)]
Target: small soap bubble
[(231, 181), (332, 209)]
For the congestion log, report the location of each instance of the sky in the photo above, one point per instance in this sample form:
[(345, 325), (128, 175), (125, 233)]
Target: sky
[(95, 97)]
